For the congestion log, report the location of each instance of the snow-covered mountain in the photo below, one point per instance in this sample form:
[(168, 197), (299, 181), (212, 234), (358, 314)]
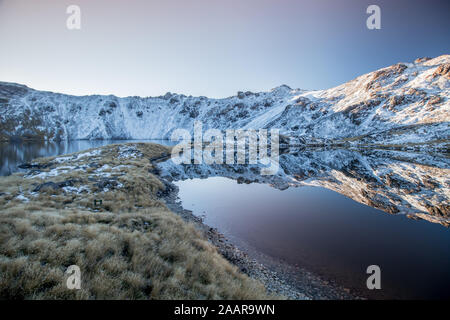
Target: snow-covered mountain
[(403, 103)]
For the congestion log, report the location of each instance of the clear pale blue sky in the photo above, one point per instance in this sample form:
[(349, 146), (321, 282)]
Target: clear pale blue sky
[(211, 47)]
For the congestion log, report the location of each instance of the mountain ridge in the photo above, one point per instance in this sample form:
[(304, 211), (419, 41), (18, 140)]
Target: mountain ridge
[(403, 103)]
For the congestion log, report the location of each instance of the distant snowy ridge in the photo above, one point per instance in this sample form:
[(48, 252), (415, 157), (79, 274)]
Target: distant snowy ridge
[(403, 103)]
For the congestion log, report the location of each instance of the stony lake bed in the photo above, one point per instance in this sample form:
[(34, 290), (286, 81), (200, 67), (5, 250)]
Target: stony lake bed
[(180, 231)]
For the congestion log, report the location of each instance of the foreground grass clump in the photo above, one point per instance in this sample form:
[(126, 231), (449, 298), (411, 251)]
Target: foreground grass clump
[(131, 247)]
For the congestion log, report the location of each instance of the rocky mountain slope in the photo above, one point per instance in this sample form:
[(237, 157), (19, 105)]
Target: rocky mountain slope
[(403, 103)]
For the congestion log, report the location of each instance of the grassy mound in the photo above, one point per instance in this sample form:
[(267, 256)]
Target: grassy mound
[(129, 247)]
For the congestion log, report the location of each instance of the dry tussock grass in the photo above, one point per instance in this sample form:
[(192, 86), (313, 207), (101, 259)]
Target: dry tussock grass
[(132, 247)]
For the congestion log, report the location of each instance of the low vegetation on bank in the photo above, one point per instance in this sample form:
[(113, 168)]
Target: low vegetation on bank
[(128, 246)]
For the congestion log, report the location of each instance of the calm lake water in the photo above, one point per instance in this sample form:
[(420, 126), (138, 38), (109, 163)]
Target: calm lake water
[(313, 227), (329, 234)]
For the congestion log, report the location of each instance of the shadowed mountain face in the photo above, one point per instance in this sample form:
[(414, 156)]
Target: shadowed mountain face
[(398, 105), (415, 184)]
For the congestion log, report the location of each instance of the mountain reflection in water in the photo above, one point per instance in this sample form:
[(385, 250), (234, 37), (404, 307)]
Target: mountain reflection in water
[(397, 182), (306, 216)]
